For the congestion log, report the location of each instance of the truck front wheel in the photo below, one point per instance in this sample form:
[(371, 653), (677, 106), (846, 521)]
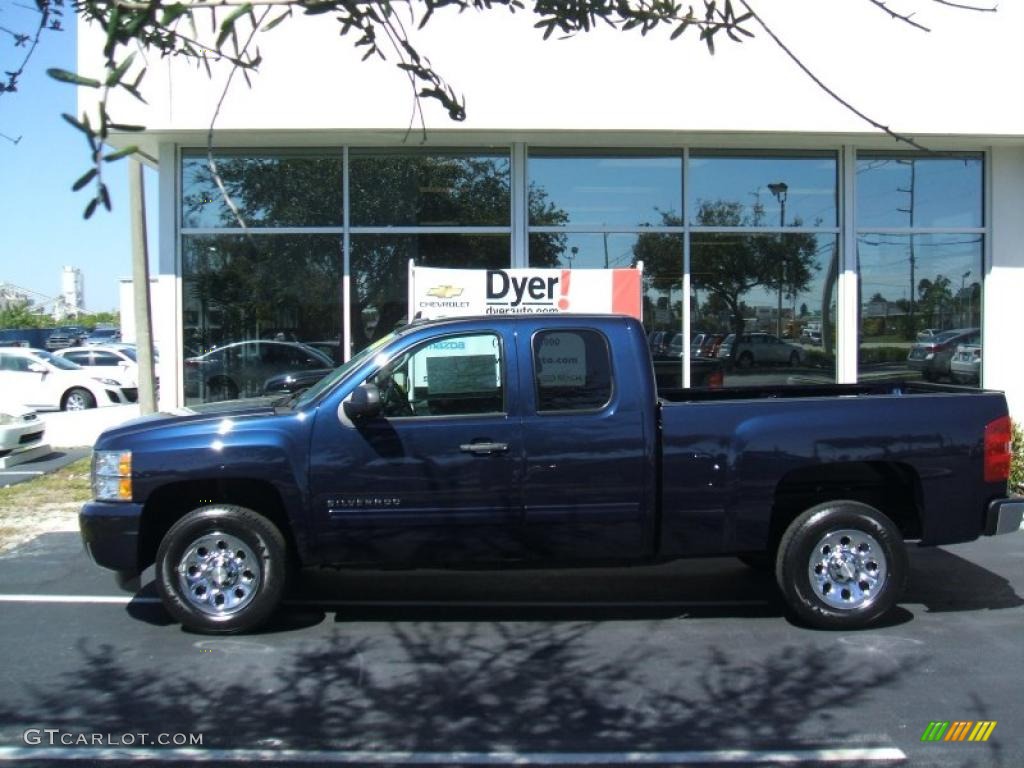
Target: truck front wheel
[(841, 565), (222, 569)]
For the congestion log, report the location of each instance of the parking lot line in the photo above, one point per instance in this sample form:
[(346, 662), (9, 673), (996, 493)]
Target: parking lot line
[(333, 757)]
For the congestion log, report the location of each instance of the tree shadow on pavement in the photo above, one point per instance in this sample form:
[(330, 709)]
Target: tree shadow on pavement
[(489, 686)]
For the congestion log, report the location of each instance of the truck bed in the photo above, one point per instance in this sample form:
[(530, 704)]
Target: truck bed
[(790, 391)]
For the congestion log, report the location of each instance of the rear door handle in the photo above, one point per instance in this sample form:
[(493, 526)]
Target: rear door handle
[(483, 449)]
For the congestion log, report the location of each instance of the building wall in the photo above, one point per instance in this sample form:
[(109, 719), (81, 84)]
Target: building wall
[(514, 80)]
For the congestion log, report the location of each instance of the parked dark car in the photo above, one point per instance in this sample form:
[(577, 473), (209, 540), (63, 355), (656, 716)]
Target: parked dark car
[(932, 358), (240, 369), (542, 440), (108, 335), (294, 381), (66, 336)]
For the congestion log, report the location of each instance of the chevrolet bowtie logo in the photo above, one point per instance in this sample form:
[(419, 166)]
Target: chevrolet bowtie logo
[(444, 291)]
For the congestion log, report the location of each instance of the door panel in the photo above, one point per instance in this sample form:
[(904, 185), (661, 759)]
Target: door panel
[(589, 470), (437, 476)]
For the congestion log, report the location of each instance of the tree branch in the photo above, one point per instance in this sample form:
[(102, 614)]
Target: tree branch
[(821, 84), (216, 113), (904, 18)]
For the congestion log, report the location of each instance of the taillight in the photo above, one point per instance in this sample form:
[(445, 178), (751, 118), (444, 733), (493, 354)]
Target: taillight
[(997, 450), (716, 380)]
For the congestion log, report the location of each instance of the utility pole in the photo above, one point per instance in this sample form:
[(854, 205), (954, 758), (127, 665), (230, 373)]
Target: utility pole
[(140, 289), (779, 190), (913, 259)]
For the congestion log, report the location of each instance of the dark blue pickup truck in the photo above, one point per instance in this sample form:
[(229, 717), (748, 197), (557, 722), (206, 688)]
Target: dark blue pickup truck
[(542, 441)]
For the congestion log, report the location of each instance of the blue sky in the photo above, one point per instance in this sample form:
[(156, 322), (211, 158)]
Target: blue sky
[(40, 217)]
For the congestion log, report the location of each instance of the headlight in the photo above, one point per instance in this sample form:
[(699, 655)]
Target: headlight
[(6, 418), (112, 475), (109, 382)]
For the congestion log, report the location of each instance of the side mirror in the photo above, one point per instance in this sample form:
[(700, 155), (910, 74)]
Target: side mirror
[(364, 403), (37, 368)]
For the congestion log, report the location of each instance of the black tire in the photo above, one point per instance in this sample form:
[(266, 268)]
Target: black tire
[(244, 532), (77, 399), (221, 389), (846, 593), (746, 360)]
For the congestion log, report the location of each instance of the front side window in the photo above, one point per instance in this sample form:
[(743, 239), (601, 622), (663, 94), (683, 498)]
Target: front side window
[(81, 358), (573, 370), (453, 376)]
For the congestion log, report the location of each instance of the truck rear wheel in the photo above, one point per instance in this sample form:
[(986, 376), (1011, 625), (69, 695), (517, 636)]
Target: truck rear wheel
[(841, 565), (222, 569)]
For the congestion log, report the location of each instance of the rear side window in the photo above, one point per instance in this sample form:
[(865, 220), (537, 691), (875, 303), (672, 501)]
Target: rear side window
[(573, 370)]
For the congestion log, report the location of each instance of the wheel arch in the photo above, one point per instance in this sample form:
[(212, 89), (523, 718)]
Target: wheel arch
[(891, 487), (169, 503)]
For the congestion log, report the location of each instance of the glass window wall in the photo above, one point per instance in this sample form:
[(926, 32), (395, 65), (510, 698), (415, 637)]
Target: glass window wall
[(266, 190), (920, 271), (380, 277), (257, 307), (450, 189)]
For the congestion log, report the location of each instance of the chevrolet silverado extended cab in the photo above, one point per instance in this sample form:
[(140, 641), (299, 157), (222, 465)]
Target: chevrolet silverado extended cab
[(541, 441)]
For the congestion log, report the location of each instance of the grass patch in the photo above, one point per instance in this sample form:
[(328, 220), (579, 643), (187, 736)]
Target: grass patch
[(67, 485)]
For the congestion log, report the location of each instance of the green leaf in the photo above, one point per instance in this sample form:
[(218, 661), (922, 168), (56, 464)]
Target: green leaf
[(126, 127), (83, 127), (72, 77), (90, 209), (115, 76), (105, 196), (228, 25), (121, 153), (274, 22), (84, 179), (172, 12)]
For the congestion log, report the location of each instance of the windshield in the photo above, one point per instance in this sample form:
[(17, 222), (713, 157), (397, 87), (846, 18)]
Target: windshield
[(56, 362), (329, 380)]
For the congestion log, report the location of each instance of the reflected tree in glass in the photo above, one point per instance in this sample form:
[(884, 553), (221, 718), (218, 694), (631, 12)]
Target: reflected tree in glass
[(267, 191)]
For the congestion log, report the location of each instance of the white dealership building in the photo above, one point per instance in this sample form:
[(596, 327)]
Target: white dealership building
[(757, 201)]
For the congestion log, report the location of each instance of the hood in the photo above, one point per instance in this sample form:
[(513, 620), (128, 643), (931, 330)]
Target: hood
[(210, 412)]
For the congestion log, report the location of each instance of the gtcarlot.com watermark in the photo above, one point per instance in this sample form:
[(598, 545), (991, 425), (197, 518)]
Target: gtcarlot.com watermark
[(55, 737)]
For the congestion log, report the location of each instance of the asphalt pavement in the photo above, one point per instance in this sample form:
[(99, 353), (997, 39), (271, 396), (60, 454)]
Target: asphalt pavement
[(689, 663)]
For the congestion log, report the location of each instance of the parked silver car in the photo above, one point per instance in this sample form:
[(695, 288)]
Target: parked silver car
[(750, 349), (965, 366), (932, 358)]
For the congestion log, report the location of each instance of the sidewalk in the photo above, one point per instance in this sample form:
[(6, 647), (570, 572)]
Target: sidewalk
[(67, 429)]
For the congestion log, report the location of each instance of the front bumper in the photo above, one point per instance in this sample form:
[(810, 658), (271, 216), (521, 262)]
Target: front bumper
[(110, 533), (1004, 516)]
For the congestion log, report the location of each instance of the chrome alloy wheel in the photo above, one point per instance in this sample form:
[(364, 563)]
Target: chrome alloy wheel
[(219, 574), (847, 569), (77, 401)]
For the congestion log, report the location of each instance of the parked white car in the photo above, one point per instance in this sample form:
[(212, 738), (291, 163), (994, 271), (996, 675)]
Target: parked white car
[(20, 428), (39, 379), (107, 361)]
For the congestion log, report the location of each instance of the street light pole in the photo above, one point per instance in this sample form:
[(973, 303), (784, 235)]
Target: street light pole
[(779, 190), (964, 322)]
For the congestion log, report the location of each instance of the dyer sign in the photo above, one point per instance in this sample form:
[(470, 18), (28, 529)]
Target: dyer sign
[(461, 292)]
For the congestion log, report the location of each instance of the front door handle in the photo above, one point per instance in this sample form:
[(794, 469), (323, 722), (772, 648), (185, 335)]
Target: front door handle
[(483, 449)]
